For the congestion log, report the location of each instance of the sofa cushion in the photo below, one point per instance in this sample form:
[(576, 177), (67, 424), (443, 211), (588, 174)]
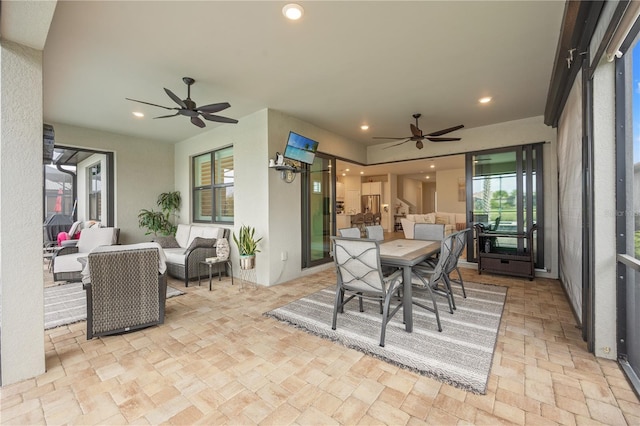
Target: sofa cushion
[(91, 238), (201, 242), (168, 241), (430, 218), (204, 232), (442, 219), (175, 255), (182, 235), (68, 263)]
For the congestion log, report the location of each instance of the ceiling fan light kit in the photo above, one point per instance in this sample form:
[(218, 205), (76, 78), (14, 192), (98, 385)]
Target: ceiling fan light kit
[(417, 136), (188, 107)]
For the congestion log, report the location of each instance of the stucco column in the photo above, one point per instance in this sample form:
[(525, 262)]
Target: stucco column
[(21, 232)]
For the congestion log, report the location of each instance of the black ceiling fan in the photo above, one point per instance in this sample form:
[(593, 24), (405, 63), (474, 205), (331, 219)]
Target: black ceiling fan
[(418, 136), (188, 108)]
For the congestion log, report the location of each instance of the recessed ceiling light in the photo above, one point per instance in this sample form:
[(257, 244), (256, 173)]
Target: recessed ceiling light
[(346, 170), (427, 177), (293, 11), (361, 173), (433, 166), (344, 174), (485, 100), (138, 114), (364, 127)]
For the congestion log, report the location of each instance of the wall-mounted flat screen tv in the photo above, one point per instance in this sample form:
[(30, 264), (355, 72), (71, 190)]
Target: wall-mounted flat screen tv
[(300, 148)]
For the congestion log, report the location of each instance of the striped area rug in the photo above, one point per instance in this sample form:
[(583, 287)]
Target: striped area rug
[(65, 304), (460, 355)]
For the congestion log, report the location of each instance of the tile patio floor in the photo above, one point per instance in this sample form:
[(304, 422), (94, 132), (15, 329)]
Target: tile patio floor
[(218, 360)]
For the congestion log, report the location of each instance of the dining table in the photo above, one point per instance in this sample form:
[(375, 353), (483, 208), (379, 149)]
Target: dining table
[(405, 254)]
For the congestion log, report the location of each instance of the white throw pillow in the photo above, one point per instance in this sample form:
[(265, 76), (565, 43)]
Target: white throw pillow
[(222, 249)]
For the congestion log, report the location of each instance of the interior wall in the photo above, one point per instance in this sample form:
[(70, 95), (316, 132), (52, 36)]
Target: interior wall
[(447, 182), (428, 197), (143, 169), (411, 192)]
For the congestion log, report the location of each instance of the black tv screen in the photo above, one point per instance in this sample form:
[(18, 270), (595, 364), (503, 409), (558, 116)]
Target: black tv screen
[(300, 148)]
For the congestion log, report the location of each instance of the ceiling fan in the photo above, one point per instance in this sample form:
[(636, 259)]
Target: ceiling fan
[(188, 108), (418, 136)]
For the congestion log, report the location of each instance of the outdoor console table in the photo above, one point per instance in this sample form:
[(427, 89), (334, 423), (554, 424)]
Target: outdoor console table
[(515, 259)]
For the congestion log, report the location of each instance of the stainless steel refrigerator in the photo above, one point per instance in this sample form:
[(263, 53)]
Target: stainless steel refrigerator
[(370, 204)]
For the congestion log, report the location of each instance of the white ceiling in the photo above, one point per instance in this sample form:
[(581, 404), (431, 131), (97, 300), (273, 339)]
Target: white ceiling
[(343, 64)]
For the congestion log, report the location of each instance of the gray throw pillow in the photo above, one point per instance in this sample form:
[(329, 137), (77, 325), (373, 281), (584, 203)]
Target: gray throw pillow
[(201, 242), (167, 242)]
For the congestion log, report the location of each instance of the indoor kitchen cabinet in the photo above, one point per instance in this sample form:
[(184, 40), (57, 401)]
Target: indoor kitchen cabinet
[(372, 188)]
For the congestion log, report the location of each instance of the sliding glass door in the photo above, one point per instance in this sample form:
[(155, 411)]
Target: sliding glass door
[(318, 212), (504, 193)]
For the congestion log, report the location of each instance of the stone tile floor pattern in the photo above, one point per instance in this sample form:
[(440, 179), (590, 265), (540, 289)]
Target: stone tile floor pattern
[(218, 360)]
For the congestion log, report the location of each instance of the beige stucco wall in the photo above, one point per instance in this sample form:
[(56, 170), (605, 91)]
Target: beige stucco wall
[(143, 169), (262, 199), (21, 280)]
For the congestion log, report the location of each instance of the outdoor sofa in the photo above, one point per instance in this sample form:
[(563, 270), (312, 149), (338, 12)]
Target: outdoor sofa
[(191, 245)]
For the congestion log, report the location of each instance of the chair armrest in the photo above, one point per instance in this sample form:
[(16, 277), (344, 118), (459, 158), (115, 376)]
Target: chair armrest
[(65, 250), (196, 254)]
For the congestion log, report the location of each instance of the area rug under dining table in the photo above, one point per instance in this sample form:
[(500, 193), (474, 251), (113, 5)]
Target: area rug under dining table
[(460, 355), (65, 304)]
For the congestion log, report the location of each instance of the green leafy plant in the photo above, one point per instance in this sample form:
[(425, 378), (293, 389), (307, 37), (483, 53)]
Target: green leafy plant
[(161, 222), (246, 241)]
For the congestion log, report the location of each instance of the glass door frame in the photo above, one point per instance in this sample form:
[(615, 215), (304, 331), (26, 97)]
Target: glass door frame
[(328, 189), (526, 164)]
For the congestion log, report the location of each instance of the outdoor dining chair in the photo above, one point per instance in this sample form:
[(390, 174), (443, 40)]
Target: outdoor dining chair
[(460, 240), (360, 274), (349, 232), (435, 280), (375, 232)]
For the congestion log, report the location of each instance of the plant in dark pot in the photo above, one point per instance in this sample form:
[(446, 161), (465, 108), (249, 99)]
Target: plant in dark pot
[(161, 222), (247, 246)]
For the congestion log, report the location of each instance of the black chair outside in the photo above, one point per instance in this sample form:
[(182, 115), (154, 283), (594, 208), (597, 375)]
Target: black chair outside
[(436, 280), (359, 273), (349, 232)]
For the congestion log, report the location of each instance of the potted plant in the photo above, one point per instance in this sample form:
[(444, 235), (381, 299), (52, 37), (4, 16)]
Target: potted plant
[(247, 246), (163, 221)]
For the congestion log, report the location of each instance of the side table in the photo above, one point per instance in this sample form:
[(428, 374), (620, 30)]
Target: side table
[(211, 264)]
